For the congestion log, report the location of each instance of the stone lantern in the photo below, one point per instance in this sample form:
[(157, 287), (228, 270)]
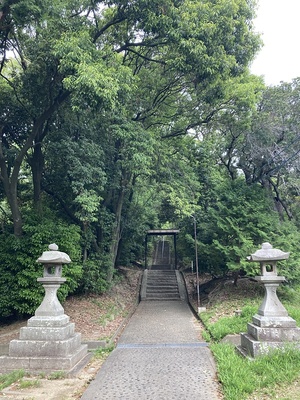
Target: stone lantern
[(271, 327), (49, 342), (51, 281)]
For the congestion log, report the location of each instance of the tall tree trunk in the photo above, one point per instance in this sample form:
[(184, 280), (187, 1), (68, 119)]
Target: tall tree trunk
[(116, 234), (129, 201), (36, 162), (15, 210), (280, 206), (10, 184), (37, 165)]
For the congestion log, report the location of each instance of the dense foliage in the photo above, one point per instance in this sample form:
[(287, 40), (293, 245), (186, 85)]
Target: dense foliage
[(117, 117), (21, 293)]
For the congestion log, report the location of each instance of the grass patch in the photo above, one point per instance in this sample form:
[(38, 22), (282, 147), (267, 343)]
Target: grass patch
[(57, 375), (280, 392), (240, 376), (294, 312), (25, 384), (8, 379), (229, 324), (112, 310), (103, 352), (289, 294)]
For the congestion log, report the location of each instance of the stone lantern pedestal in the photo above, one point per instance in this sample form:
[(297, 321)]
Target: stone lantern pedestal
[(48, 343), (271, 327)]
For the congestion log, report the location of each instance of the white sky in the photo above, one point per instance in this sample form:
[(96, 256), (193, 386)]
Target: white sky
[(279, 23)]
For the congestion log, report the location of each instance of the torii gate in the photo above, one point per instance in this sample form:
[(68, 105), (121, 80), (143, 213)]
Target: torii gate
[(161, 232)]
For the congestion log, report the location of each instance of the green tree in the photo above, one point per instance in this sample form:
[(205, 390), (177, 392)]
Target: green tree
[(263, 143), (104, 99), (273, 145), (87, 53), (237, 221)]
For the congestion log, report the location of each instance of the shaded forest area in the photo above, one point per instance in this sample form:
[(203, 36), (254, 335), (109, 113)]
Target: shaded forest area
[(117, 117)]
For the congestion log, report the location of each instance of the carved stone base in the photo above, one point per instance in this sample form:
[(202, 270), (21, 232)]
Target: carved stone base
[(253, 348), (273, 322), (46, 344)]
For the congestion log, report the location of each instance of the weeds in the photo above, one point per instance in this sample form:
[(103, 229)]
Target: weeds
[(241, 376), (103, 352), (294, 312), (227, 325), (57, 375), (108, 316), (24, 384), (112, 310), (8, 379)]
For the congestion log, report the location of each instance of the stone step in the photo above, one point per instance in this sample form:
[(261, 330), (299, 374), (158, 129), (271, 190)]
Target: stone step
[(162, 298), (163, 294), (162, 281), (161, 290), (171, 280), (162, 267), (161, 272), (167, 275), (162, 285), (163, 277)]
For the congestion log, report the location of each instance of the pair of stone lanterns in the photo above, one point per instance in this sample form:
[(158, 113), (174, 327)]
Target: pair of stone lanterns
[(49, 342), (271, 327)]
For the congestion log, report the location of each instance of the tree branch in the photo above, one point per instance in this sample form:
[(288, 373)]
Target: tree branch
[(63, 204), (185, 130), (279, 200), (128, 46), (117, 19), (36, 128), (145, 57)]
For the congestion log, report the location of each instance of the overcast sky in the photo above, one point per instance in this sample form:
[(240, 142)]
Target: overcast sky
[(279, 23)]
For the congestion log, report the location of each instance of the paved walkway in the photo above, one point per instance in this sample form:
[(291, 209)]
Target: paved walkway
[(159, 356)]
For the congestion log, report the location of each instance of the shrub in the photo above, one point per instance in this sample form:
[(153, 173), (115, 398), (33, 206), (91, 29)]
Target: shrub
[(93, 277)]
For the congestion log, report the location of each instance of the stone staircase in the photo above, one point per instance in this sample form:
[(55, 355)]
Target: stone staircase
[(162, 285), (162, 267), (161, 258)]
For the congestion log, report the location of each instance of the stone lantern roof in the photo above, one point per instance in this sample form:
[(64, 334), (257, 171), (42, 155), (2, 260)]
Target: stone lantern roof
[(267, 253), (53, 256)]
